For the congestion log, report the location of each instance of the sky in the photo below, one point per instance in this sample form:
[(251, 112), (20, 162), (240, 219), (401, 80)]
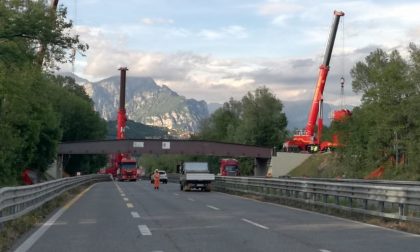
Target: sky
[(213, 50)]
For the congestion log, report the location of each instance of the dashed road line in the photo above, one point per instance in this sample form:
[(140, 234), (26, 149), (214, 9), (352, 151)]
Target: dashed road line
[(122, 195), (176, 194), (129, 205), (255, 224), (125, 199), (191, 199), (213, 207), (135, 214), (144, 230), (324, 250)]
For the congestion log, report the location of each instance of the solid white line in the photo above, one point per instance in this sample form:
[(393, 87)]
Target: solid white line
[(135, 215), (213, 207), (129, 205), (255, 224), (144, 230), (125, 199), (26, 245)]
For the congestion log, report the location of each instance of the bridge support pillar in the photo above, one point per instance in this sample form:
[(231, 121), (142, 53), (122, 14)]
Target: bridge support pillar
[(261, 166)]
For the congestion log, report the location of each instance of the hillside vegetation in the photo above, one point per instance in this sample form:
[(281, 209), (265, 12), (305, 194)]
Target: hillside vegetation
[(37, 109)]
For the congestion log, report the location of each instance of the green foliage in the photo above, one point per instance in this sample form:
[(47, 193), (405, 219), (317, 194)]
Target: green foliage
[(38, 110), (256, 120), (136, 130), (387, 121)]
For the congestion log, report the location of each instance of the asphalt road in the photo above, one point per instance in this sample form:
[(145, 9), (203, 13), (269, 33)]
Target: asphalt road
[(132, 216)]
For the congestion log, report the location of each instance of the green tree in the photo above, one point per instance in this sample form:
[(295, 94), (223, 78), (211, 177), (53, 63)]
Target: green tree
[(385, 127)]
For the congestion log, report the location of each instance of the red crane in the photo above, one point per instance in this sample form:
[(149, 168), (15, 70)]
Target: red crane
[(124, 167), (305, 139)]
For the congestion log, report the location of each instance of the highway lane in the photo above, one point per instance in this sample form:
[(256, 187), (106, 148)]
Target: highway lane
[(131, 216)]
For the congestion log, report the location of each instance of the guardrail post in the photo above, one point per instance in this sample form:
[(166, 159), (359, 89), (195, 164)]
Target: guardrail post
[(325, 198), (365, 204), (402, 210), (337, 200), (381, 205), (350, 202)]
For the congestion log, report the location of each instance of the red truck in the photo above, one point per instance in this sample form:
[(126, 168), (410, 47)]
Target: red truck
[(229, 167)]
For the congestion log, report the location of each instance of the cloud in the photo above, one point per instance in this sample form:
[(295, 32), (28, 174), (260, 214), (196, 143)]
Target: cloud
[(211, 78), (157, 21), (273, 8), (233, 31)]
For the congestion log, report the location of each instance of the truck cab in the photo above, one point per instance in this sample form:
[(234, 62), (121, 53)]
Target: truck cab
[(127, 169), (229, 167)]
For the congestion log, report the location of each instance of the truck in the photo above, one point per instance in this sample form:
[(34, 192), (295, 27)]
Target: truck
[(229, 167), (195, 175)]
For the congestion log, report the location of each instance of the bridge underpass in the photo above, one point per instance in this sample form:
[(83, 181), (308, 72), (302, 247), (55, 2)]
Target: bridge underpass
[(262, 155)]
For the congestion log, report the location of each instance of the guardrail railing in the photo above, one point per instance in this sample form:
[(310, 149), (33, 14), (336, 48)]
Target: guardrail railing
[(17, 201), (391, 200)]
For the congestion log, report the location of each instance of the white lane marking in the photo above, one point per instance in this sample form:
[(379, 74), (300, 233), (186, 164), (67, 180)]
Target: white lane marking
[(255, 224), (26, 245), (122, 195), (176, 194), (87, 221), (144, 230), (129, 205), (125, 199), (135, 215), (324, 250), (191, 199), (213, 207)]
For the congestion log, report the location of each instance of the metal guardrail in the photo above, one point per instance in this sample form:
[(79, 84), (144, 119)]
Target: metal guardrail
[(17, 201), (391, 200)]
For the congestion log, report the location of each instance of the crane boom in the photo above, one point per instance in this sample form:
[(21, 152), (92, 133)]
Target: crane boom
[(323, 72)]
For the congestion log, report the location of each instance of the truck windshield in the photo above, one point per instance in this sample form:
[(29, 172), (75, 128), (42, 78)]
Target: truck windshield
[(131, 165), (231, 168)]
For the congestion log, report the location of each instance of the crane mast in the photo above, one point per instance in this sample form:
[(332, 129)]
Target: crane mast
[(305, 139)]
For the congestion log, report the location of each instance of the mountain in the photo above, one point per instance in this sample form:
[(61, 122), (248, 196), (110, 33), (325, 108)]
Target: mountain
[(297, 113), (148, 103), (136, 130), (213, 107)]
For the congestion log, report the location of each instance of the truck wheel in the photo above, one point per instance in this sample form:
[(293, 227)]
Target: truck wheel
[(208, 188), (181, 187)]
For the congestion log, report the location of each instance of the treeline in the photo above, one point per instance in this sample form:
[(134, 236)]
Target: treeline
[(385, 129), (38, 109), (256, 119)]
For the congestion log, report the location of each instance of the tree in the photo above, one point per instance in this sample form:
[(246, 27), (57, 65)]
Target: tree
[(258, 119), (386, 126)]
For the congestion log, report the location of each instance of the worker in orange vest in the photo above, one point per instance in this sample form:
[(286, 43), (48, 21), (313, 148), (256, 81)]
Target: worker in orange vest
[(156, 179)]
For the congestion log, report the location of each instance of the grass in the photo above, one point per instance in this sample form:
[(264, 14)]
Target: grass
[(12, 230), (320, 165)]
